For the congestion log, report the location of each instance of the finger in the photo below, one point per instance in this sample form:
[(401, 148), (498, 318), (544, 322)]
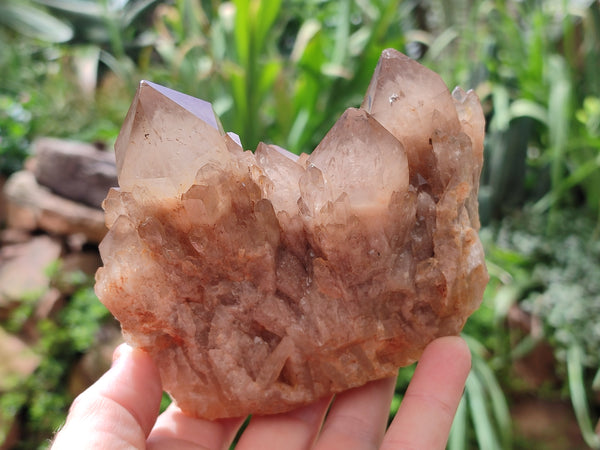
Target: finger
[(358, 417), (292, 430), (175, 430), (430, 402), (118, 410)]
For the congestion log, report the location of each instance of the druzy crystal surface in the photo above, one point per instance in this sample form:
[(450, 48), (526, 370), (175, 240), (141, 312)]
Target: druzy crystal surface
[(263, 281)]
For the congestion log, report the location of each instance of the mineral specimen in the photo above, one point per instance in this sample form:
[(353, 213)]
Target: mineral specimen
[(263, 281)]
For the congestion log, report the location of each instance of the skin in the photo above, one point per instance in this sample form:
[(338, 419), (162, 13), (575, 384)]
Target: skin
[(120, 411)]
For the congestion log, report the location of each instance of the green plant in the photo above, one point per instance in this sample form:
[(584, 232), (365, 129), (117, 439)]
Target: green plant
[(31, 20), (483, 405), (61, 343), (15, 128), (560, 281), (44, 92), (117, 26), (537, 150), (286, 69), (286, 72), (533, 64), (43, 398)]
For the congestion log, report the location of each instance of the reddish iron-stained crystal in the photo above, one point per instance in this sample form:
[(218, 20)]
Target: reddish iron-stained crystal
[(263, 281)]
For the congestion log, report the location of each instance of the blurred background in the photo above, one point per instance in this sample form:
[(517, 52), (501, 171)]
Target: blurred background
[(286, 70)]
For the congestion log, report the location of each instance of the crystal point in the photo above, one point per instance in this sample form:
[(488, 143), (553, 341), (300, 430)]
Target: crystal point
[(263, 281), (411, 102), (341, 158), (165, 138)]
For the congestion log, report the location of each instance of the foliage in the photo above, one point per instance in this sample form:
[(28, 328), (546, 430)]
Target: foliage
[(114, 25), (564, 279), (483, 405), (563, 275), (43, 93), (15, 125), (286, 69), (284, 72), (56, 89), (43, 398), (30, 20), (537, 148)]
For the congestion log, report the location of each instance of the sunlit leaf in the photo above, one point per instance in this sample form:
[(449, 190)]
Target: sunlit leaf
[(34, 22), (482, 424)]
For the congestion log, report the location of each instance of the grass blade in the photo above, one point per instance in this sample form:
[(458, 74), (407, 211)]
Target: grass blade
[(500, 410), (458, 432), (578, 395), (484, 430), (34, 22)]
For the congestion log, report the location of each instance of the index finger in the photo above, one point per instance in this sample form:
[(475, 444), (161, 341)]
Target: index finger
[(119, 409), (430, 402)]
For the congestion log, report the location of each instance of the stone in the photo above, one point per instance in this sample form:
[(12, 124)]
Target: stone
[(23, 269), (18, 361), (74, 170), (48, 304), (262, 282), (32, 207), (11, 236)]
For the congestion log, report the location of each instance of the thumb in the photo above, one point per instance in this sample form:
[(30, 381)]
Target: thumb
[(119, 410)]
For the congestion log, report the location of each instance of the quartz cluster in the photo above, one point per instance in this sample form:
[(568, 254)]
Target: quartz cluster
[(263, 281)]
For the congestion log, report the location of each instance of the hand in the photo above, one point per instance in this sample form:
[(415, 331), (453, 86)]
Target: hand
[(121, 411)]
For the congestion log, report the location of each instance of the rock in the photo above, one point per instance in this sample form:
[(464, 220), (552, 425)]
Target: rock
[(259, 283), (76, 269), (48, 304), (536, 368), (85, 262), (74, 170), (31, 206), (23, 269), (18, 361), (11, 236), (545, 423)]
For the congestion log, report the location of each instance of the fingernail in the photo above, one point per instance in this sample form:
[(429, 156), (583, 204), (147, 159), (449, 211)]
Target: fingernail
[(119, 353)]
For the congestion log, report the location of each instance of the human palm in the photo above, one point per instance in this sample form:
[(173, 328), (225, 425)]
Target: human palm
[(121, 410)]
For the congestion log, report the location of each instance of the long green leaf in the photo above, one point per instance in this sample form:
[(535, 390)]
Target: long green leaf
[(498, 401), (267, 13), (441, 42), (501, 100), (559, 114), (92, 10), (242, 30), (34, 22), (505, 297), (582, 172), (458, 433), (342, 33), (596, 381), (578, 395), (528, 108), (134, 9), (484, 430)]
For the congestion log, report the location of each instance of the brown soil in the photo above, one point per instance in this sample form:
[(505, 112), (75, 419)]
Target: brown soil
[(546, 424)]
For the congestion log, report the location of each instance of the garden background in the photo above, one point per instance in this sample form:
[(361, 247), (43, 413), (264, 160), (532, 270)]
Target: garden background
[(286, 69)]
